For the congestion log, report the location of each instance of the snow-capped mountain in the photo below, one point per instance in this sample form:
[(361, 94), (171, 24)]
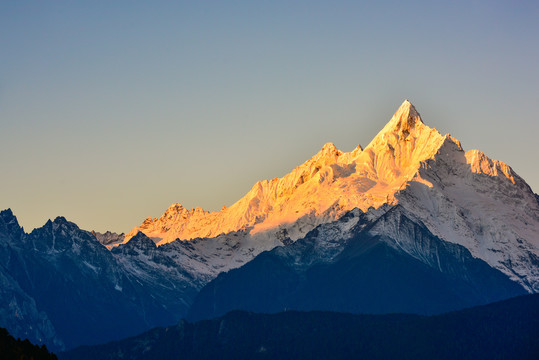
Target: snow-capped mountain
[(462, 197), (466, 225), (326, 186)]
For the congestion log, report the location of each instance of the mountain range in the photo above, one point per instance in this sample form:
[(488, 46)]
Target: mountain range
[(410, 223), (462, 197)]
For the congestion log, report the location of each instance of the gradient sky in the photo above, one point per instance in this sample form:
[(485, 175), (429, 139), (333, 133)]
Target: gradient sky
[(112, 111)]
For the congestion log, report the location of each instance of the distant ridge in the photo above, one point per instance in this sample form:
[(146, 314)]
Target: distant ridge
[(503, 330)]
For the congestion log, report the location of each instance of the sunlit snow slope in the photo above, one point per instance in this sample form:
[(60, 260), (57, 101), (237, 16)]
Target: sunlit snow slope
[(464, 198)]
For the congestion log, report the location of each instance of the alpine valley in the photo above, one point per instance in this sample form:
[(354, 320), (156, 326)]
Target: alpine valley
[(411, 223)]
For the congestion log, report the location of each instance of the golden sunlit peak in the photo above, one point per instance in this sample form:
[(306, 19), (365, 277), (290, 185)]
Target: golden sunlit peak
[(329, 148), (405, 120), (406, 117)]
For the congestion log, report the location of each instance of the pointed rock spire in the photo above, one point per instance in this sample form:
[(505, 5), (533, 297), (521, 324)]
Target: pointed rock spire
[(404, 122), (405, 118), (9, 226), (140, 241), (329, 150)]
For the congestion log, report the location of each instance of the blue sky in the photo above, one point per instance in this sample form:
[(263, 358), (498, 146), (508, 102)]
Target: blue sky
[(112, 111)]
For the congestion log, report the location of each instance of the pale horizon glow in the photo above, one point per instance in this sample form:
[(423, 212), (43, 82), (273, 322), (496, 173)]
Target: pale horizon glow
[(109, 113)]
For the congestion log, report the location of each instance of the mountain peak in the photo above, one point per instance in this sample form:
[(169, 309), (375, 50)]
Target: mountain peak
[(406, 121), (60, 220), (140, 241), (7, 212), (9, 225), (7, 217), (329, 150), (405, 118), (329, 147)]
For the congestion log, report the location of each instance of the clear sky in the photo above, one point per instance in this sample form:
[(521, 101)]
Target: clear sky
[(110, 111)]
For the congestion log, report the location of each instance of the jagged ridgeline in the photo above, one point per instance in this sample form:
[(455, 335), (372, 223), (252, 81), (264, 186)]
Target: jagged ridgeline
[(461, 197), (410, 223), (62, 288)]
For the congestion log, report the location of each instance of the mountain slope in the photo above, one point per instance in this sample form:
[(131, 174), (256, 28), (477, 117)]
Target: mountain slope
[(355, 265), (18, 311), (504, 330), (61, 287), (468, 199)]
